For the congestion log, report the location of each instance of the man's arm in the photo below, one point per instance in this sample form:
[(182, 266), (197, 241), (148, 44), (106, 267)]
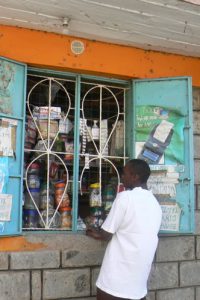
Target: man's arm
[(99, 234)]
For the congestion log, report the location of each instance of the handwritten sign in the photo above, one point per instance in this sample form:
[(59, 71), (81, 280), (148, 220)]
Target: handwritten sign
[(5, 207), (171, 213), (6, 141), (163, 189)]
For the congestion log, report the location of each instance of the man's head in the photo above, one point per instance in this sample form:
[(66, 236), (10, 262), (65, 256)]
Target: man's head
[(135, 173)]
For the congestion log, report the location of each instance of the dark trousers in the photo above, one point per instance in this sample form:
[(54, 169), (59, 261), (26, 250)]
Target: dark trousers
[(101, 295)]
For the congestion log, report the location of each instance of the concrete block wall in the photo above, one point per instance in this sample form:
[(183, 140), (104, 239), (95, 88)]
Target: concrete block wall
[(69, 266), (71, 273), (50, 274)]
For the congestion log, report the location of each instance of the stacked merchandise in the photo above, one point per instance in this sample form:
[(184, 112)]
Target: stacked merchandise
[(51, 201), (45, 113), (30, 135), (47, 116), (30, 213), (44, 202), (63, 203), (32, 197)]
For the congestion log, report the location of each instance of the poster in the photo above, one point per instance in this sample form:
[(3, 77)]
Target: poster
[(159, 135)]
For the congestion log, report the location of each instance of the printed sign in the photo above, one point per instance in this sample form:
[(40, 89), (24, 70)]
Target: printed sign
[(159, 131)]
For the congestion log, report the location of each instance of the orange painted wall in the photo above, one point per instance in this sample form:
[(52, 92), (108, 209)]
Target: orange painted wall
[(19, 243), (50, 50)]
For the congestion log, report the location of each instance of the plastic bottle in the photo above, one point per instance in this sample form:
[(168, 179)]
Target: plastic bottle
[(95, 199), (95, 131), (30, 218)]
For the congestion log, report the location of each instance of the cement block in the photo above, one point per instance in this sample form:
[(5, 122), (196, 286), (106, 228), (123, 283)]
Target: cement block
[(3, 260), (197, 171), (95, 273), (163, 275), (197, 190), (14, 285), (78, 241), (197, 222), (35, 260), (196, 146), (198, 247), (177, 294), (78, 258), (197, 293), (196, 200), (175, 249), (196, 122), (196, 98), (36, 285), (69, 283), (151, 296), (189, 273)]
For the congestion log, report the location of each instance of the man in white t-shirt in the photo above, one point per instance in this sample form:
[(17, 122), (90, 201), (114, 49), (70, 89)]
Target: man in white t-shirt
[(131, 228)]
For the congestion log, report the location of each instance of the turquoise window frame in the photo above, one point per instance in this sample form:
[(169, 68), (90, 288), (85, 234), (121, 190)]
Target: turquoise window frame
[(130, 138)]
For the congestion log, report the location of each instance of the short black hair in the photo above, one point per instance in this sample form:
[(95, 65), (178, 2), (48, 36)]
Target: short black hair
[(140, 168)]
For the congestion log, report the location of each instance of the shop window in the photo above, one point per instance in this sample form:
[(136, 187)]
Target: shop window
[(64, 139), (74, 152)]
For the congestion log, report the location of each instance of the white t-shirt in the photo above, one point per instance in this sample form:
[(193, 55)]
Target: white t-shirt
[(134, 220)]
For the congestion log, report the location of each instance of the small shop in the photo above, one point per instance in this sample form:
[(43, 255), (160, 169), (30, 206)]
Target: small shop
[(76, 133), (68, 124)]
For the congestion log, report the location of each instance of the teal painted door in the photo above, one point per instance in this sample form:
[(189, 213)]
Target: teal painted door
[(162, 135), (12, 119)]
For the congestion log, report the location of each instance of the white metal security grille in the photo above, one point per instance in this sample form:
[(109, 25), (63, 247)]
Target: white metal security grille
[(100, 102)]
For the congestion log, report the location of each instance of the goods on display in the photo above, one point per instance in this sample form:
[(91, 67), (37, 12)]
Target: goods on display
[(51, 152)]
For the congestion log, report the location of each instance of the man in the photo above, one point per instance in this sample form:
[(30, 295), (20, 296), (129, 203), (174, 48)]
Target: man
[(131, 227)]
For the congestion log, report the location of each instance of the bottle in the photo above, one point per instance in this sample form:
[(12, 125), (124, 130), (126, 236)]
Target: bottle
[(95, 131), (28, 202), (30, 218), (95, 199)]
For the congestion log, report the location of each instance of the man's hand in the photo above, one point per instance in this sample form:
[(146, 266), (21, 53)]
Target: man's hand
[(98, 234)]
